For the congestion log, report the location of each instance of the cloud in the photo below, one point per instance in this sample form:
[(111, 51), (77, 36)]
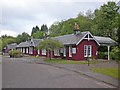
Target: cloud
[(19, 16)]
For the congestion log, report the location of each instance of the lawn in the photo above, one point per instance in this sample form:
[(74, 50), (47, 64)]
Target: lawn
[(62, 61), (113, 72)]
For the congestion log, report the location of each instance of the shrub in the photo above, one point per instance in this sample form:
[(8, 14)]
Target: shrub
[(102, 55), (115, 54), (15, 53)]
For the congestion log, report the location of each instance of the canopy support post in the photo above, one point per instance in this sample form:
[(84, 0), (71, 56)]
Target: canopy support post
[(108, 52)]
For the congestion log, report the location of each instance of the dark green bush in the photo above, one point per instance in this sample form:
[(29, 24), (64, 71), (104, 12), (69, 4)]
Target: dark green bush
[(102, 55), (15, 53), (115, 54)]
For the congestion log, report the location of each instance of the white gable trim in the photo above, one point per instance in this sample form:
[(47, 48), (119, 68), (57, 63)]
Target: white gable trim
[(85, 36)]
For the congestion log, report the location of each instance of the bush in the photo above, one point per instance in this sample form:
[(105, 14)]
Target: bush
[(115, 54), (15, 53), (102, 55)]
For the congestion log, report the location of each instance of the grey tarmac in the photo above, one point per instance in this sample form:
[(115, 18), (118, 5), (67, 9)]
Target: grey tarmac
[(17, 73)]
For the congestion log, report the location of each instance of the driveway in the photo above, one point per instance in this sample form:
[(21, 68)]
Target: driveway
[(24, 73)]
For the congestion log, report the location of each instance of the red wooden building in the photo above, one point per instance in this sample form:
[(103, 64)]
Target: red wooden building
[(77, 46)]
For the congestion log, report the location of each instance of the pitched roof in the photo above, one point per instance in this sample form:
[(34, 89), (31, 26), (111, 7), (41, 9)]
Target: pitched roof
[(12, 46), (33, 42), (105, 40), (70, 38), (24, 44)]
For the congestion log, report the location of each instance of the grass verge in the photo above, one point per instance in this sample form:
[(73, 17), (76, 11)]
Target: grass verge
[(113, 72), (62, 61)]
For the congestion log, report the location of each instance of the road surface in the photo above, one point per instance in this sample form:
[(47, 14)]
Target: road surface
[(17, 73)]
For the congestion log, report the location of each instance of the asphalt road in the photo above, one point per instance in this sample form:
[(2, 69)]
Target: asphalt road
[(16, 73)]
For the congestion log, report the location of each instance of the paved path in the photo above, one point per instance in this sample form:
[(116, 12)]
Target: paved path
[(19, 73)]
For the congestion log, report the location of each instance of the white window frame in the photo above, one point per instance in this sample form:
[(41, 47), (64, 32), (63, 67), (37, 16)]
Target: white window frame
[(30, 50), (87, 50), (70, 51), (43, 51), (26, 50), (56, 52), (21, 49), (64, 51), (38, 51), (74, 50)]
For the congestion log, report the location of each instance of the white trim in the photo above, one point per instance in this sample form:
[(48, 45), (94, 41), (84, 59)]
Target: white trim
[(108, 52), (23, 50), (38, 51), (74, 50), (26, 50), (89, 39), (56, 52), (30, 50), (87, 50), (64, 51), (70, 51), (43, 51)]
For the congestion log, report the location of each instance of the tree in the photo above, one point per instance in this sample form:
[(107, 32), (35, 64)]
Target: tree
[(38, 35), (49, 44), (5, 40), (106, 19), (22, 37), (44, 28), (115, 54), (118, 31), (34, 30)]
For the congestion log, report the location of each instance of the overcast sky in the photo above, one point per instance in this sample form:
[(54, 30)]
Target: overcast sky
[(17, 16)]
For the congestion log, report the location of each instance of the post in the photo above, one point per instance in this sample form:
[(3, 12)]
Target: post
[(108, 52)]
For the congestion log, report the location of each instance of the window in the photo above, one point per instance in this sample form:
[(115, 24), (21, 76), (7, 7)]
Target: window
[(70, 51), (74, 50), (87, 50), (64, 51), (26, 50), (38, 51), (30, 50), (23, 50), (44, 52), (56, 52)]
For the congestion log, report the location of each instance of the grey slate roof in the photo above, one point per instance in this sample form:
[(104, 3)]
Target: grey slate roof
[(12, 46), (33, 42), (105, 40), (70, 38), (24, 44)]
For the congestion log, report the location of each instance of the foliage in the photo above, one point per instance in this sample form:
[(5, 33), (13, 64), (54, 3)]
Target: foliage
[(113, 72), (49, 44), (38, 35), (115, 54), (34, 30), (118, 31), (15, 53), (102, 22), (106, 20), (44, 28), (5, 40), (22, 37), (102, 55)]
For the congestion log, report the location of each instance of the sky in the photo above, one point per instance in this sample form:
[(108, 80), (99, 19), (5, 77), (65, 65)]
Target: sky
[(17, 16)]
